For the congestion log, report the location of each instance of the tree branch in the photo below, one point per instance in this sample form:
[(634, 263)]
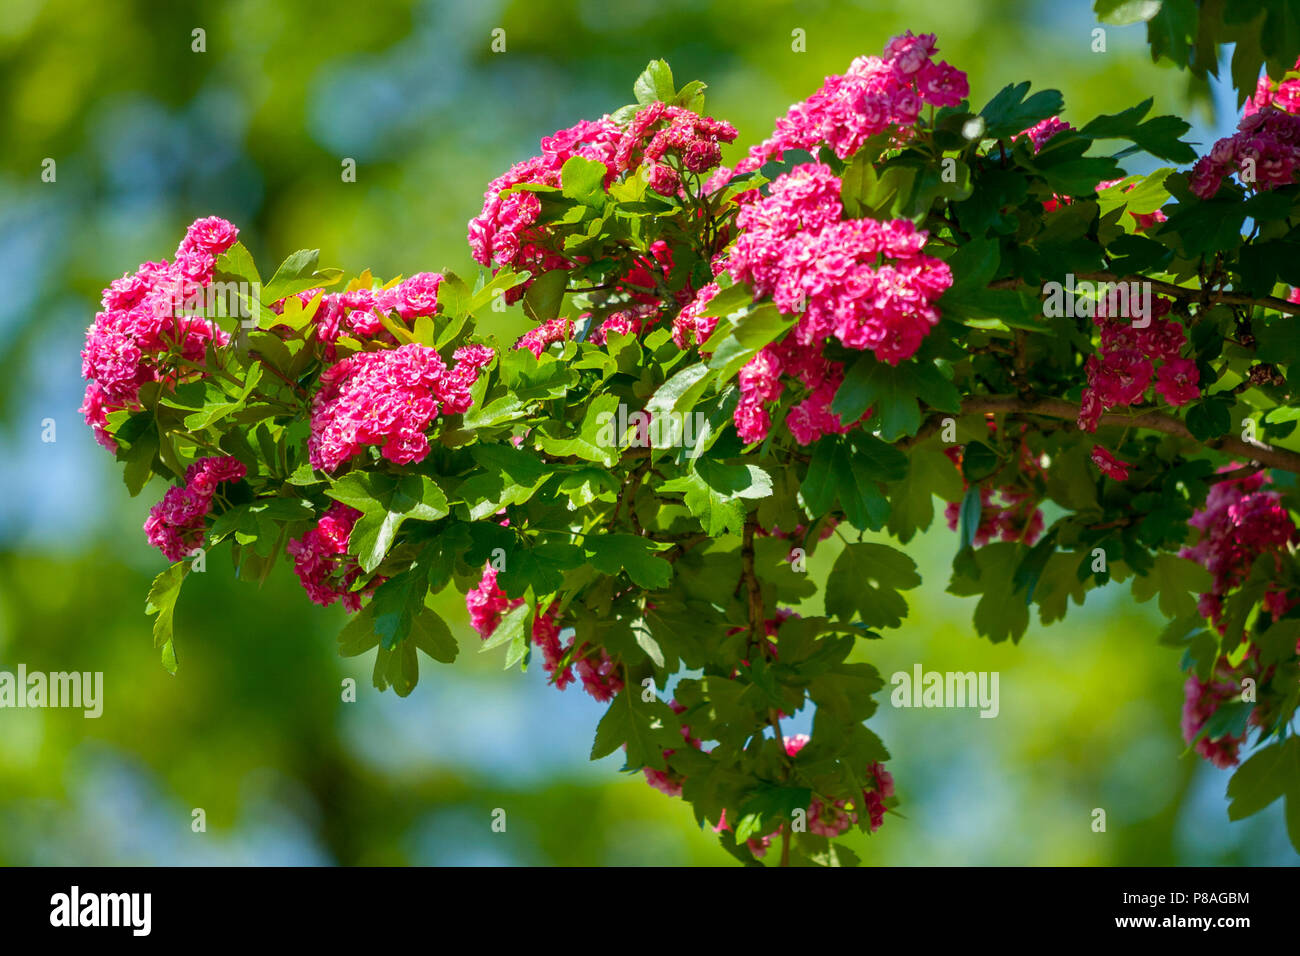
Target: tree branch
[(1153, 421), (1176, 291)]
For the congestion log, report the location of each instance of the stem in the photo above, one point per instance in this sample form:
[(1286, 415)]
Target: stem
[(1177, 292), (1280, 458)]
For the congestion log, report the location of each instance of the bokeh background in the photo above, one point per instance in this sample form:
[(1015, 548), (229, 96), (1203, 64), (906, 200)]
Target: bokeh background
[(148, 134)]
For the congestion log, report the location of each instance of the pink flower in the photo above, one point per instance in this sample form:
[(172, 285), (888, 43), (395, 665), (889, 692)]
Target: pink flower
[(175, 525), (1042, 131), (1109, 464), (418, 295), (1129, 360), (212, 236), (146, 323), (1177, 381), (322, 563), (389, 400), (487, 603), (504, 233), (1264, 153), (875, 95)]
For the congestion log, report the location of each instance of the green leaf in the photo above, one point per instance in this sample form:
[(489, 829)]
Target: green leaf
[(1178, 581), (655, 83), (769, 807), (387, 502), (583, 180), (838, 473), (161, 601), (540, 567), (893, 392), (611, 553), (396, 603), (237, 263), (718, 511), (595, 439), (911, 503), (1010, 112), (1122, 13), (544, 297), (513, 629), (296, 274), (1210, 418), (429, 633), (969, 517), (1270, 773), (866, 581), (681, 391), (647, 728)]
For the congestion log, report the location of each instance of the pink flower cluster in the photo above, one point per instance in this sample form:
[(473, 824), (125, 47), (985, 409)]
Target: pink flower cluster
[(144, 325), (1264, 153), (1109, 464), (538, 340), (1240, 522), (596, 669), (1283, 95), (1038, 135), (1131, 359), (505, 231), (321, 559), (641, 284), (1009, 512), (863, 282), (875, 95), (175, 525), (691, 324), (357, 313), (389, 399), (761, 385), (832, 819), (828, 819), (695, 140), (1200, 701), (1042, 131)]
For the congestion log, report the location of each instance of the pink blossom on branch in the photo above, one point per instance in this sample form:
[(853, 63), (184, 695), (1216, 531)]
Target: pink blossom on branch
[(875, 95), (176, 524), (389, 400)]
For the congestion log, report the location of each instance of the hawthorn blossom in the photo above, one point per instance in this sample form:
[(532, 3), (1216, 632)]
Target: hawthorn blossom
[(875, 95), (1264, 153), (176, 524), (1109, 464), (487, 603), (321, 559), (505, 233), (145, 323), (1132, 359), (388, 399)]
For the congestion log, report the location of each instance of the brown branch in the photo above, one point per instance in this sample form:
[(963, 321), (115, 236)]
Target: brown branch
[(1176, 291), (1153, 421)]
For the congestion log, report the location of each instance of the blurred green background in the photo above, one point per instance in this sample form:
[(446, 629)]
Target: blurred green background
[(148, 135)]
